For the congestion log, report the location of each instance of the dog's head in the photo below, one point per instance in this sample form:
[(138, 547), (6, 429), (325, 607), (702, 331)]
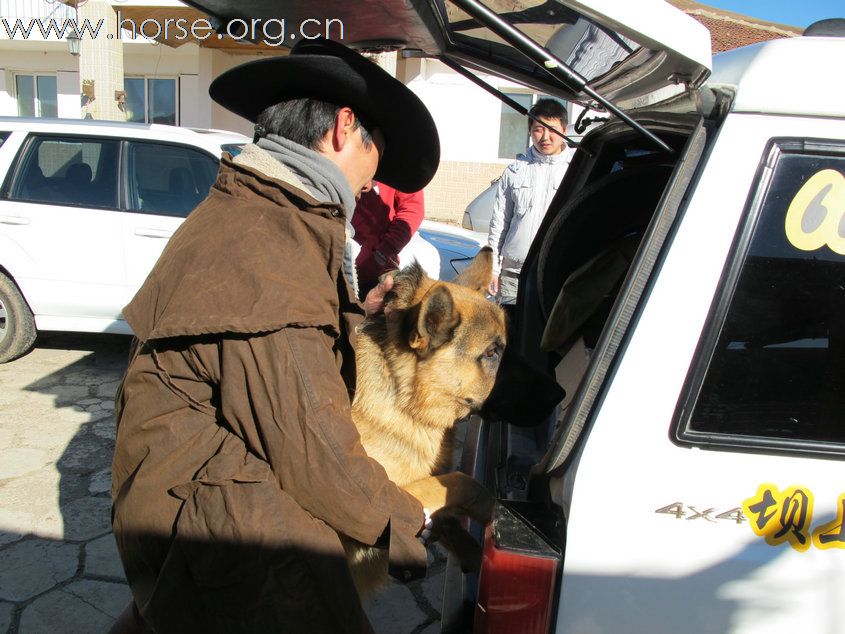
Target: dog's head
[(456, 333)]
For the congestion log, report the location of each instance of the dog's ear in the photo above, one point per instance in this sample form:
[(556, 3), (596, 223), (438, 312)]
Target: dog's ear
[(406, 282), (479, 273), (436, 320)]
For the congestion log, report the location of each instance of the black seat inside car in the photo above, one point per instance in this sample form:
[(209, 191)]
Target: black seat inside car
[(79, 174), (613, 210), (183, 195)]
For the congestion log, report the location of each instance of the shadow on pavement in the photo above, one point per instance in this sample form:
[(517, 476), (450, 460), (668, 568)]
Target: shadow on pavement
[(64, 574), (104, 345), (61, 572)]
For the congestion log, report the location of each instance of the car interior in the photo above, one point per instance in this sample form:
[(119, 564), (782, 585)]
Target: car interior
[(168, 180), (68, 172), (582, 260)]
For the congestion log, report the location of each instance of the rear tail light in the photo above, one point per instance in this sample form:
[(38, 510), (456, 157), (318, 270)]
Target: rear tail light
[(518, 579)]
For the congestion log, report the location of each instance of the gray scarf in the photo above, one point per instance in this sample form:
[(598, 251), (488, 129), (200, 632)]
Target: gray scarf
[(323, 180)]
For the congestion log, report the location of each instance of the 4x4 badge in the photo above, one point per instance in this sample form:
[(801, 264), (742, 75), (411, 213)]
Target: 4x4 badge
[(690, 512)]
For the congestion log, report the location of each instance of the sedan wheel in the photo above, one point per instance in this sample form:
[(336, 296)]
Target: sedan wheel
[(17, 326)]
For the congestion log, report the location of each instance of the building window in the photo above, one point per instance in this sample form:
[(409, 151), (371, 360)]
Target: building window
[(151, 100), (37, 95), (513, 126)]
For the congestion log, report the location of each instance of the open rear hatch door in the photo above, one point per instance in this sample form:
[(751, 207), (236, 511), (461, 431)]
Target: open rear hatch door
[(623, 50)]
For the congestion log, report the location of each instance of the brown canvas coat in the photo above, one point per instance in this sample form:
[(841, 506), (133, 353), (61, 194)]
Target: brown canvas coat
[(236, 459)]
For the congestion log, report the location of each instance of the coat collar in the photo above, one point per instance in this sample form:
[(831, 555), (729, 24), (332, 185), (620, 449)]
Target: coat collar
[(255, 158), (279, 186)]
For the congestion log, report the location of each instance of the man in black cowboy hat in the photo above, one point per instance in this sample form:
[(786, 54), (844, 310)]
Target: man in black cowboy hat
[(236, 458)]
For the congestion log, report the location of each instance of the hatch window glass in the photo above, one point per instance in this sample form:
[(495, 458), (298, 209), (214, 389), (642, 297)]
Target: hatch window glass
[(588, 48), (779, 361)]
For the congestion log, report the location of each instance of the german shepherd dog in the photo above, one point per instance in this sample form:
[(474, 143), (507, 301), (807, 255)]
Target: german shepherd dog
[(428, 363)]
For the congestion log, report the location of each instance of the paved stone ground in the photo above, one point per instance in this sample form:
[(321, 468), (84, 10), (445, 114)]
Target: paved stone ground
[(59, 568)]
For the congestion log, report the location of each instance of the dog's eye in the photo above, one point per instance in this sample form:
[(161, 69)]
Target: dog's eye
[(492, 352)]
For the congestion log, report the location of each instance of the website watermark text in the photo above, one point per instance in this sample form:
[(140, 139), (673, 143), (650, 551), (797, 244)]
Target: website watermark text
[(25, 29), (272, 32)]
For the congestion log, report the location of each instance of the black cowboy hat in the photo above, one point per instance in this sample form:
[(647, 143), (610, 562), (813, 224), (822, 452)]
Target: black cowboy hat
[(326, 70)]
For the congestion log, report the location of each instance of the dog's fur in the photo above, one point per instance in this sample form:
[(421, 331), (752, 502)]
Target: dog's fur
[(430, 362)]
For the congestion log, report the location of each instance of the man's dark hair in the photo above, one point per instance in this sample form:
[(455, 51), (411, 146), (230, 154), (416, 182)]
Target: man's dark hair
[(304, 121), (548, 109)]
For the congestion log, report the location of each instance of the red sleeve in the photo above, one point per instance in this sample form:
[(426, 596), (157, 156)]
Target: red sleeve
[(407, 214)]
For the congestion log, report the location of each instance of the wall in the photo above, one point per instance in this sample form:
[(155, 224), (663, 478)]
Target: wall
[(467, 117), (467, 120), (101, 61), (455, 185), (67, 87), (221, 118), (152, 59)]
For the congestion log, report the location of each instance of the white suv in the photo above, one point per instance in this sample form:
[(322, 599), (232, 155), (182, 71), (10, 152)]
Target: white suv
[(692, 304), (85, 210)]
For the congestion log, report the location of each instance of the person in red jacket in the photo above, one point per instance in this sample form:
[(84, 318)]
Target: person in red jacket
[(385, 219)]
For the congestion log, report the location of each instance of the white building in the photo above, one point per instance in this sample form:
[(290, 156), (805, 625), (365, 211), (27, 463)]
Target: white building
[(164, 78)]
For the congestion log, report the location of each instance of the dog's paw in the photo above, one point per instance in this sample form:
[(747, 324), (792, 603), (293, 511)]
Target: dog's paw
[(456, 540), (481, 507)]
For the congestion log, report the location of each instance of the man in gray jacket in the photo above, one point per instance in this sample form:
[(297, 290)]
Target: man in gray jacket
[(525, 191)]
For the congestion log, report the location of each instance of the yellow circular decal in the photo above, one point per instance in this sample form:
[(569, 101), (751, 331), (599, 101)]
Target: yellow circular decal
[(816, 216)]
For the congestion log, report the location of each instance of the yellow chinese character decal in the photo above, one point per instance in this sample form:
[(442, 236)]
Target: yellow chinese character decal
[(816, 213), (781, 516), (832, 534)]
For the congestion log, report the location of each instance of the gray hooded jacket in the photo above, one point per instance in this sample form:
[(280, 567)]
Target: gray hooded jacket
[(525, 191)]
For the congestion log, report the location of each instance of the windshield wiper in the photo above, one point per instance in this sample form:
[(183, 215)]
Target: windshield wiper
[(548, 62)]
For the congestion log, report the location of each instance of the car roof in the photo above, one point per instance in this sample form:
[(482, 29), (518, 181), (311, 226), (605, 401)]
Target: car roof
[(211, 139), (785, 76)]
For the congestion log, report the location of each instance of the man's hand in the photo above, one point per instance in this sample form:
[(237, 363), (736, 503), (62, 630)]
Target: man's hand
[(374, 302), (494, 286)]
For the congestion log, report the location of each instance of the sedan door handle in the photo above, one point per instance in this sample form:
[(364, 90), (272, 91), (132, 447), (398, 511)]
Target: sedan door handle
[(14, 220), (153, 233)]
